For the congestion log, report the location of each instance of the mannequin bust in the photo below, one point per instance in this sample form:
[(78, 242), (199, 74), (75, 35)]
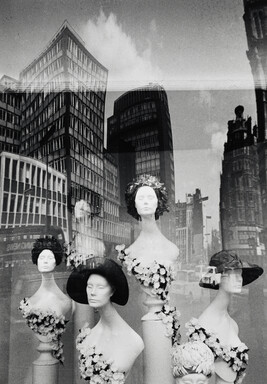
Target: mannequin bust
[(192, 363), (146, 200), (216, 322), (101, 283), (47, 253), (48, 302)]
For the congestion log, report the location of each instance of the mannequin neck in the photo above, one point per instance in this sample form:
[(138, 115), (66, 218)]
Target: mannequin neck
[(48, 281), (149, 225), (108, 316), (222, 300)]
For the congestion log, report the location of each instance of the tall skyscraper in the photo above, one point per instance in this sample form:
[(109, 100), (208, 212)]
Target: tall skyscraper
[(140, 133), (240, 198), (255, 18), (62, 121)]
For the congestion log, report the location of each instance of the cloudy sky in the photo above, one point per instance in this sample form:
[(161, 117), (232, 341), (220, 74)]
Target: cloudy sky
[(195, 48)]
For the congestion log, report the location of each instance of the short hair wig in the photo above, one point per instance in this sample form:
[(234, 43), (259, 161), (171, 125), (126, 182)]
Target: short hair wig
[(50, 243), (146, 181)]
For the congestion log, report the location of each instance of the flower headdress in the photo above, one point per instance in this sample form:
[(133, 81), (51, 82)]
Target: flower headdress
[(192, 357), (146, 181)]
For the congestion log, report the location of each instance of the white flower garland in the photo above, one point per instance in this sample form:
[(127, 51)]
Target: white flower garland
[(236, 357), (170, 317), (46, 323), (157, 276), (92, 365)]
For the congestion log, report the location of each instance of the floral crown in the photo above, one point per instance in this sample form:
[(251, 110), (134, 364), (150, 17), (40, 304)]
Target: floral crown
[(150, 181), (192, 357)]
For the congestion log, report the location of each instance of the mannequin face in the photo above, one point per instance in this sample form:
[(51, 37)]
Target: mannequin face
[(192, 378), (146, 201), (46, 261), (98, 291), (231, 281)]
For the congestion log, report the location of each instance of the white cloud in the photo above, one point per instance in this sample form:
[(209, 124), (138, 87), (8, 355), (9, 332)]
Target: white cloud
[(117, 51), (217, 142)]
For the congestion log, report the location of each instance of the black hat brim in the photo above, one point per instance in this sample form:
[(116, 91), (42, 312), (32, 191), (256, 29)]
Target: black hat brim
[(250, 273), (109, 269)]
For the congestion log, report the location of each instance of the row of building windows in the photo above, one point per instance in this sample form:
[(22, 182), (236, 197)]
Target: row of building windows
[(27, 219), (89, 175), (138, 119), (9, 133), (86, 77), (92, 110), (9, 147), (84, 151), (138, 110), (86, 60), (14, 203), (11, 99), (147, 166), (87, 132), (9, 117), (42, 62), (18, 170), (78, 192), (55, 105)]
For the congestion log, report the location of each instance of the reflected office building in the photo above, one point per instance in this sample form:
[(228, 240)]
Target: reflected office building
[(62, 123), (139, 132), (240, 197)]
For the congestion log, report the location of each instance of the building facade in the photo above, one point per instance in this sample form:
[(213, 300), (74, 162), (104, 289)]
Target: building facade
[(240, 197), (189, 228), (139, 132), (62, 121), (9, 115), (255, 18)]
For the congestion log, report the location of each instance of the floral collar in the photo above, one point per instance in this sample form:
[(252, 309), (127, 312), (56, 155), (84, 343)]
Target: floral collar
[(235, 357), (46, 323), (155, 276), (93, 367)]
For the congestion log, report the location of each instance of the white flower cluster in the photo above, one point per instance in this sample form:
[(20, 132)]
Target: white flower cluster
[(236, 357), (46, 323), (192, 357), (155, 276), (92, 365), (170, 317), (150, 181)]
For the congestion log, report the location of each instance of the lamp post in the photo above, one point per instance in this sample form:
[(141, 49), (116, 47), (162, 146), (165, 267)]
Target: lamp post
[(44, 141), (207, 234)]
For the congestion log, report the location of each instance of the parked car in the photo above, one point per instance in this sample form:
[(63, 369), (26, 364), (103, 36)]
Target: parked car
[(211, 276)]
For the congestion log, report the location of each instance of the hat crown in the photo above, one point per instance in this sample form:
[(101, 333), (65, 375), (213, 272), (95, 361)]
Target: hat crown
[(225, 260)]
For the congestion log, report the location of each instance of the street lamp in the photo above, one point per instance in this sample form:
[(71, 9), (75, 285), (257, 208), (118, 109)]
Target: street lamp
[(44, 141)]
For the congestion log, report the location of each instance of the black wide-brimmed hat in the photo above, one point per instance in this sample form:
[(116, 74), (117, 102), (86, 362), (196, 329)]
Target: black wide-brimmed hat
[(228, 260), (109, 269)]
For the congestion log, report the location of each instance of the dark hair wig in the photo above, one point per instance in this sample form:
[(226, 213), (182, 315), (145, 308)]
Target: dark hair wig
[(50, 243), (146, 181)]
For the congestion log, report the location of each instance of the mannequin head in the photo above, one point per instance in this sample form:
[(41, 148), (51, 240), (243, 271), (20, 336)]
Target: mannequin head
[(231, 281), (46, 261), (50, 251), (146, 201), (101, 278), (192, 363), (131, 195), (99, 291)]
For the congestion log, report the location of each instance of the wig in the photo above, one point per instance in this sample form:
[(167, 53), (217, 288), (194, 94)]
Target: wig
[(47, 243), (192, 357), (146, 181)]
